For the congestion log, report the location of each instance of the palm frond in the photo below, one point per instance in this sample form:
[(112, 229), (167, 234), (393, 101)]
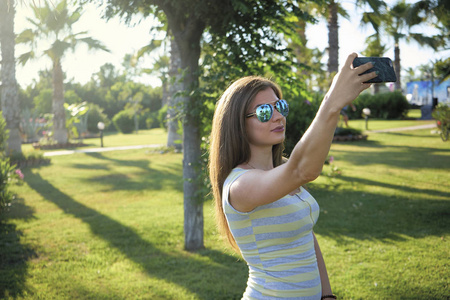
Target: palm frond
[(25, 37), (25, 57), (432, 41), (94, 44)]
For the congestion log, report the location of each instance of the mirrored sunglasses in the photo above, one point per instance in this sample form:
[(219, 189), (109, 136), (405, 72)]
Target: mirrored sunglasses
[(264, 112)]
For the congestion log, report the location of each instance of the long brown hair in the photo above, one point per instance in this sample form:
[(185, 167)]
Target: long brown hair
[(229, 142)]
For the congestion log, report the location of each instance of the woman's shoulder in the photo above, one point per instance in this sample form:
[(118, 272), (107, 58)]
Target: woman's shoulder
[(237, 171), (235, 174)]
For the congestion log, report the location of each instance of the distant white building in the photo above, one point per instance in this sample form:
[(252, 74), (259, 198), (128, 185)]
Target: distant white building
[(422, 92)]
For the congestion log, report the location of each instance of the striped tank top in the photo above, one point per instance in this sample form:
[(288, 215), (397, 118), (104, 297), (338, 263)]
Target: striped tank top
[(276, 241)]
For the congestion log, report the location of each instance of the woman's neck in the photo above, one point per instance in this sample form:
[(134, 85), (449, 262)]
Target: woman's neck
[(261, 158)]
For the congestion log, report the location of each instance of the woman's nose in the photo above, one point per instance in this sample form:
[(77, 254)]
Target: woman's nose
[(276, 115)]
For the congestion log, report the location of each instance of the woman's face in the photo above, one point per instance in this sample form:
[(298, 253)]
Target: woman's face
[(268, 133)]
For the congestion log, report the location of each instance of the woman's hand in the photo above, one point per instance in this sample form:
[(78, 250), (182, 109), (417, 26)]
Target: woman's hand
[(348, 84)]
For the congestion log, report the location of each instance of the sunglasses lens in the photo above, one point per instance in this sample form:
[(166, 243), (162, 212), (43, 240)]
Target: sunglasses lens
[(264, 112), (283, 107)]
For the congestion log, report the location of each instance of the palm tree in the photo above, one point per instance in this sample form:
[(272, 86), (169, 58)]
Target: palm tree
[(331, 9), (442, 69), (9, 95), (53, 23), (395, 22), (398, 23), (333, 35), (436, 12), (374, 47), (311, 59)]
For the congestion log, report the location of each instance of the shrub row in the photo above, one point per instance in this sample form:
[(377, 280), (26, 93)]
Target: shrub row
[(124, 121), (387, 106)]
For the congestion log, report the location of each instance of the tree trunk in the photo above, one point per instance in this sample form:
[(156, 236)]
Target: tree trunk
[(188, 42), (333, 39), (397, 66), (9, 95), (176, 85), (165, 92), (376, 88), (60, 133)]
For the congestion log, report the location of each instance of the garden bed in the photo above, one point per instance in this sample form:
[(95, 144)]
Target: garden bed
[(348, 138), (30, 162), (58, 146), (348, 134)]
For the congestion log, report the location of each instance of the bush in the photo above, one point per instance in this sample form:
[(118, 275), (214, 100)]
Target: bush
[(8, 173), (4, 135), (96, 115), (143, 117), (341, 131), (391, 105), (442, 113), (124, 121), (302, 110), (152, 120)]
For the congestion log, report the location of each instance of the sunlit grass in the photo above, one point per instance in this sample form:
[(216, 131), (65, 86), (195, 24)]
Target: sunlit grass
[(110, 226), (157, 136), (414, 113)]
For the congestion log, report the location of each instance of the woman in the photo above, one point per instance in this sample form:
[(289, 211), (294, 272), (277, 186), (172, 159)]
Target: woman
[(260, 203)]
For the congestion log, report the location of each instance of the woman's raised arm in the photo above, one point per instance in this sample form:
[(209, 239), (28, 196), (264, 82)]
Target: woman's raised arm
[(257, 187)]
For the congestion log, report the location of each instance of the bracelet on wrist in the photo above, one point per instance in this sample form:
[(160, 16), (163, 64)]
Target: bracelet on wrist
[(328, 296)]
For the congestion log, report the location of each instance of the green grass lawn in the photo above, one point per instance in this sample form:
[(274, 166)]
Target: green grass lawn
[(157, 136), (385, 223), (110, 226), (377, 124)]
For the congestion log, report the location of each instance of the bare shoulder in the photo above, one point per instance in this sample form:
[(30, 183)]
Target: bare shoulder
[(257, 187), (241, 189)]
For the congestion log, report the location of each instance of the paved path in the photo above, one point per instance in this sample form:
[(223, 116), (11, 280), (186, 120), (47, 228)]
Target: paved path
[(425, 126), (105, 149)]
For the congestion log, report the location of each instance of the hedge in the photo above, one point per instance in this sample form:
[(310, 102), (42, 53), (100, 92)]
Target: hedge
[(387, 106)]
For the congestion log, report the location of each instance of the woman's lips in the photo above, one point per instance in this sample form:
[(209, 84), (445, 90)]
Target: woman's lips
[(278, 129)]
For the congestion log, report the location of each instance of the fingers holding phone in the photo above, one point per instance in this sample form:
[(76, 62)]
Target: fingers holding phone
[(348, 83), (381, 65)]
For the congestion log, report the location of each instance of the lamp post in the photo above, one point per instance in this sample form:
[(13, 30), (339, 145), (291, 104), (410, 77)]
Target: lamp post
[(101, 126), (366, 113)]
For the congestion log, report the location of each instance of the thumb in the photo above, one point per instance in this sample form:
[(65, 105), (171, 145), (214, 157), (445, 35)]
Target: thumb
[(350, 59)]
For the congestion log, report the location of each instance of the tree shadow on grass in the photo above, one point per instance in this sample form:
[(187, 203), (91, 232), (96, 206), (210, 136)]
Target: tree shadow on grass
[(14, 254), (402, 157), (151, 179), (348, 214), (415, 190), (360, 143), (176, 267)]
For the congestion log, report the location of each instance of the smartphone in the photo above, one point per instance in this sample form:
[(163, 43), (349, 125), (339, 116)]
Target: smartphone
[(383, 65)]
